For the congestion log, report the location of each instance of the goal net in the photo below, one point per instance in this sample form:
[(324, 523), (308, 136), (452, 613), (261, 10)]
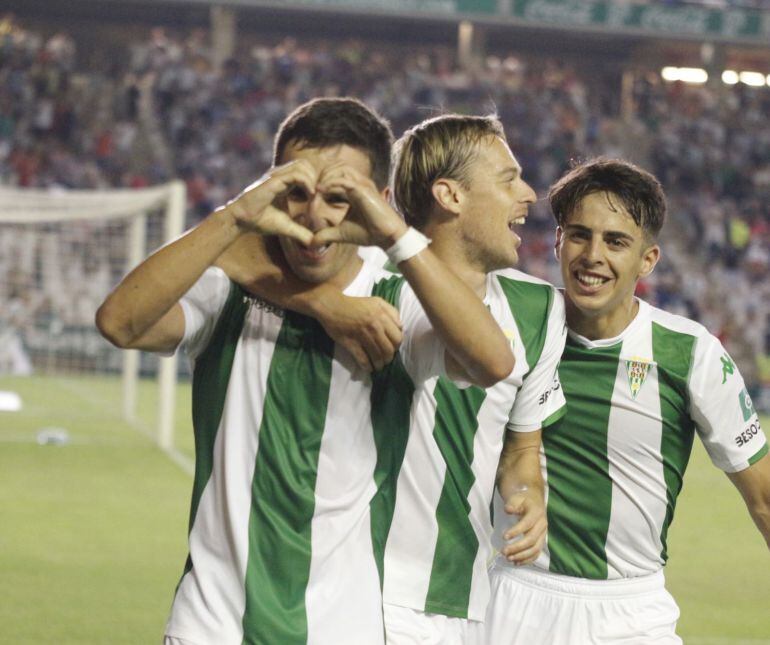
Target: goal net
[(61, 252)]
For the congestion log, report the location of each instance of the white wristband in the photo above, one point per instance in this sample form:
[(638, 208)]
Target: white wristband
[(407, 246)]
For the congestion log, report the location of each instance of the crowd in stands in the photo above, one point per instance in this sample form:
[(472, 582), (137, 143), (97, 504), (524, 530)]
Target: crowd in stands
[(166, 110)]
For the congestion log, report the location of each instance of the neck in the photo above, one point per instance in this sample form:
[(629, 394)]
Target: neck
[(604, 325), (447, 249)]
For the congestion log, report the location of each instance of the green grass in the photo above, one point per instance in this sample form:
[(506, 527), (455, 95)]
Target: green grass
[(93, 534)]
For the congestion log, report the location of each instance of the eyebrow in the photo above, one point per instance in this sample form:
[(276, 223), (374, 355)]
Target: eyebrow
[(611, 234)]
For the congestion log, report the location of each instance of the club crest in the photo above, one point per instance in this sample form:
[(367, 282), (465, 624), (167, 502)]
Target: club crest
[(637, 369)]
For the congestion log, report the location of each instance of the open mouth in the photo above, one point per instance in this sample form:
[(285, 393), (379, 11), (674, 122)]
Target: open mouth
[(313, 254), (590, 280), (516, 222)]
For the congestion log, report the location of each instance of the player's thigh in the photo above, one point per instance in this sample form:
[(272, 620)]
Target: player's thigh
[(405, 626), (648, 619), (521, 614)]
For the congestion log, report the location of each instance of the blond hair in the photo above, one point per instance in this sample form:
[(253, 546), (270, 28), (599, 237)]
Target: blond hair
[(443, 147)]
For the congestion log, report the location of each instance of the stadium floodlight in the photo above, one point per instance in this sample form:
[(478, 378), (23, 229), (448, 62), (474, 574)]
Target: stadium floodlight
[(685, 74), (61, 251), (754, 79), (730, 77)]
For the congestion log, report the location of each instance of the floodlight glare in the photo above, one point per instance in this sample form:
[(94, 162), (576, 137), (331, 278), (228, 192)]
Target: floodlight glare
[(755, 79), (730, 77), (684, 74)]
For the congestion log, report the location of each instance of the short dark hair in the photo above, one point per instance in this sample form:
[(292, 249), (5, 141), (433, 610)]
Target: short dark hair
[(443, 147), (326, 122), (639, 191)]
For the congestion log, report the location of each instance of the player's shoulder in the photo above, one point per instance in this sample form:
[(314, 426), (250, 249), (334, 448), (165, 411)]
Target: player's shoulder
[(523, 290), (676, 323), (514, 275)]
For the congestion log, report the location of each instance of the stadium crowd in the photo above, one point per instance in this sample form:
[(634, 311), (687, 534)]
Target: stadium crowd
[(167, 111)]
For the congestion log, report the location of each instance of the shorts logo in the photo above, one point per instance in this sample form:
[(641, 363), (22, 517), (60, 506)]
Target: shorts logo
[(638, 369), (747, 407)]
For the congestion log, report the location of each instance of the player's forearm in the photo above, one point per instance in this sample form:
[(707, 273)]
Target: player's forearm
[(519, 467), (460, 318), (152, 288), (754, 486), (257, 264)]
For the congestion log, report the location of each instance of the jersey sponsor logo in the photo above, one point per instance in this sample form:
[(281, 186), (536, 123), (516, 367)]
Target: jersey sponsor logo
[(269, 307), (555, 387), (728, 367), (747, 407), (637, 369), (748, 434)]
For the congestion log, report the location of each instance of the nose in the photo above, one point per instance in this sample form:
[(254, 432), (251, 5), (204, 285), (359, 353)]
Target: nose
[(592, 251), (530, 196), (312, 215)]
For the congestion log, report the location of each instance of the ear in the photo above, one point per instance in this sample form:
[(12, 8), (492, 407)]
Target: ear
[(448, 195), (650, 257), (386, 194), (557, 243)]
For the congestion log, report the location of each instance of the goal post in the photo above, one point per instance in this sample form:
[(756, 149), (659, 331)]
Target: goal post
[(61, 251)]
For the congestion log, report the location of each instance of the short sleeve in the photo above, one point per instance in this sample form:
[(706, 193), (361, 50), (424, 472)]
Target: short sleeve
[(202, 306), (540, 400), (722, 410), (421, 351)]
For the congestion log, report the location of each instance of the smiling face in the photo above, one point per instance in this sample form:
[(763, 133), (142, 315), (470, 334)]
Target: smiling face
[(603, 253), (335, 263), (496, 201)]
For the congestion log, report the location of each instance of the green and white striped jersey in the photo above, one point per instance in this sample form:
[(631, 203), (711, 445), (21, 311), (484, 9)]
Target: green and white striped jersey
[(438, 543), (287, 465), (614, 464)]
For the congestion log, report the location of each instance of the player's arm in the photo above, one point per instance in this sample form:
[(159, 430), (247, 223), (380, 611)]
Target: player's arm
[(369, 328), (143, 311), (754, 485), (451, 306), (520, 484)]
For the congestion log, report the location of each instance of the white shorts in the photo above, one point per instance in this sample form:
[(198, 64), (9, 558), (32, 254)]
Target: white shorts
[(532, 607), (406, 626)]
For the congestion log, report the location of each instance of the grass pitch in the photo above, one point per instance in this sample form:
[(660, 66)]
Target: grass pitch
[(93, 533)]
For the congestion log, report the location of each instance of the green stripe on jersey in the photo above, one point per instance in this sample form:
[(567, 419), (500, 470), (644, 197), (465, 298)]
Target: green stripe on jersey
[(392, 394), (456, 545), (761, 453), (672, 352), (283, 489), (209, 390), (530, 305), (579, 485)]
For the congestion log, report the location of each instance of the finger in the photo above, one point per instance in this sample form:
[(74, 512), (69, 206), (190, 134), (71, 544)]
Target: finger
[(391, 312), (359, 355), (394, 333), (298, 173), (525, 556), (277, 222), (347, 232), (382, 349)]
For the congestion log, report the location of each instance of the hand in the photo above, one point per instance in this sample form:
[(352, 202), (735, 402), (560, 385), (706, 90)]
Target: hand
[(371, 222), (527, 537), (369, 328), (257, 209)]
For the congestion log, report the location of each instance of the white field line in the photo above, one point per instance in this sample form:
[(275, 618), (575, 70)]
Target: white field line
[(181, 460)]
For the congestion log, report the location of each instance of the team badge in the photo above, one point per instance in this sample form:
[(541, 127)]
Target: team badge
[(637, 369)]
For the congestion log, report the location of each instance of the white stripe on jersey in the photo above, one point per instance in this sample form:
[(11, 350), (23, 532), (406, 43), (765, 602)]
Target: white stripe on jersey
[(635, 465)]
